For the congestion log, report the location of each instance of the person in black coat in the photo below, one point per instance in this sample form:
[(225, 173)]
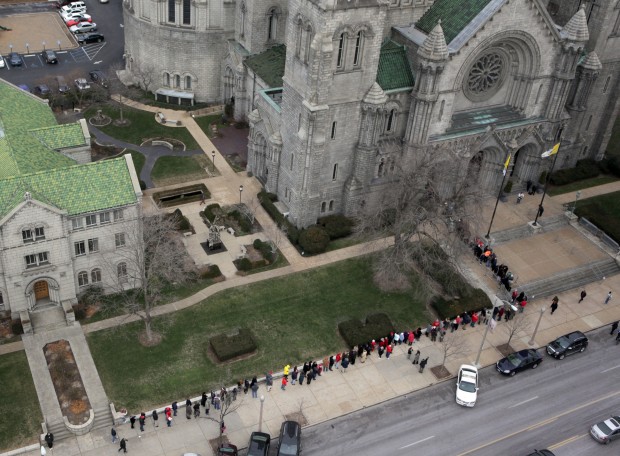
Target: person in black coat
[(423, 364), (49, 439), (203, 399), (123, 446)]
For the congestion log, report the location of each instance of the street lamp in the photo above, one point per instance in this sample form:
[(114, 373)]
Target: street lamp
[(58, 43), (240, 192), (260, 417), (542, 311), (27, 48), (43, 43), (213, 158), (577, 196)]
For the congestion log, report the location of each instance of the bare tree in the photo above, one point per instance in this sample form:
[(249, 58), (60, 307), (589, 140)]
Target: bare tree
[(425, 210), (145, 75), (453, 344), (276, 237), (227, 406), (249, 208), (150, 256), (519, 322)]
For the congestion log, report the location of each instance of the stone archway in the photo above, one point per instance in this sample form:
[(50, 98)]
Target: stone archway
[(526, 163), (485, 169), (42, 293)]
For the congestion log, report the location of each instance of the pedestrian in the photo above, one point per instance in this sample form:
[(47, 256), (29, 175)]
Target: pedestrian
[(388, 351), (49, 439), (396, 339), (175, 406), (254, 388), (217, 403), (156, 418), (474, 319), (345, 364), (352, 356), (208, 405), (269, 380), (423, 364), (43, 451), (302, 376), (416, 358), (123, 446), (196, 409), (315, 370), (442, 334), (332, 360), (522, 305), (500, 314), (142, 421), (495, 312), (608, 298), (338, 359), (363, 356), (169, 420), (203, 399), (614, 326), (246, 386), (326, 363), (284, 382), (409, 352), (541, 209), (113, 432), (188, 411), (554, 304), (286, 370), (294, 375), (433, 334), (380, 351), (411, 338), (132, 421), (583, 295)]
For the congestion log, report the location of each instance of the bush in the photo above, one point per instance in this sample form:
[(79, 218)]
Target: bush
[(211, 272), (265, 249), (16, 327), (267, 200), (355, 333), (613, 165), (314, 240), (584, 169), (337, 226), (244, 264), (142, 185), (184, 224), (210, 212), (242, 221), (474, 300), (228, 347)]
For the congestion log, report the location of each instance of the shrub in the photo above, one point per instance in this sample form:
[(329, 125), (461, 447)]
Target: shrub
[(355, 333), (142, 185), (474, 300), (314, 240), (210, 211), (337, 226), (265, 249), (508, 187), (267, 200), (244, 264), (242, 221), (16, 327), (543, 178), (211, 272), (184, 224), (613, 165), (584, 169), (227, 347)]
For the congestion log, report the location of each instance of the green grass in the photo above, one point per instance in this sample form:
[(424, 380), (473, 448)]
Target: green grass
[(143, 126), (169, 169), (138, 160), (294, 318), (20, 415), (204, 122), (604, 212), (580, 185)]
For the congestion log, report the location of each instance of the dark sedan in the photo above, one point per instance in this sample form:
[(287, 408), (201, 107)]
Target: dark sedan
[(289, 443), (84, 38), (516, 362), (15, 59), (259, 444)]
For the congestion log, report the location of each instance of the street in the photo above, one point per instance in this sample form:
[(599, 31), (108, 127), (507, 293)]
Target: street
[(551, 407)]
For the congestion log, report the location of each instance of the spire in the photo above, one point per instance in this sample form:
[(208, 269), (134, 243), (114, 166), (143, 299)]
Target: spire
[(434, 46), (577, 28), (375, 95), (591, 62)]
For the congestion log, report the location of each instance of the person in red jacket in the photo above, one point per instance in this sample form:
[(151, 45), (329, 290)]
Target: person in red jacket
[(474, 319), (338, 358), (284, 383), (411, 338), (522, 305), (388, 351)]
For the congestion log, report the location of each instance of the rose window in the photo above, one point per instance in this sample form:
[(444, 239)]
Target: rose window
[(486, 73)]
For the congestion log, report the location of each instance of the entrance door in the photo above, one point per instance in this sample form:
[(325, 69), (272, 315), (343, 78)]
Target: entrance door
[(41, 290)]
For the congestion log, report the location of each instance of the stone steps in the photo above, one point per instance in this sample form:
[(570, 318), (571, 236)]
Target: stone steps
[(574, 278), (523, 231), (48, 319), (103, 416)]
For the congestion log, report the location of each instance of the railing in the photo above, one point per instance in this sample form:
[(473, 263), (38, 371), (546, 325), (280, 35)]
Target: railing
[(596, 231)]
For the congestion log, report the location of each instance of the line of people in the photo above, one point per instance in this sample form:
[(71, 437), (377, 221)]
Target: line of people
[(486, 256)]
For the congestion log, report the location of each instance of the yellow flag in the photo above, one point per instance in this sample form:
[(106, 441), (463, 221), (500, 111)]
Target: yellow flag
[(506, 164), (552, 151)]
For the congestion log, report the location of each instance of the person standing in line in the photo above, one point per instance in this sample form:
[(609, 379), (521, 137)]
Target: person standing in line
[(203, 399), (423, 364), (411, 338), (554, 304), (175, 407), (123, 446), (338, 359), (326, 364), (388, 351), (614, 326), (294, 375), (142, 421), (113, 432), (286, 370), (207, 405), (416, 358), (196, 409), (522, 305), (284, 382), (169, 420), (608, 298), (188, 410), (49, 439), (132, 421), (269, 380), (409, 352), (345, 364), (500, 313), (332, 360), (155, 418), (254, 388), (302, 376), (363, 356), (442, 334), (583, 295)]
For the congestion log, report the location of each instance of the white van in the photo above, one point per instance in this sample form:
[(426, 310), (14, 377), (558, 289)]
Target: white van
[(73, 7)]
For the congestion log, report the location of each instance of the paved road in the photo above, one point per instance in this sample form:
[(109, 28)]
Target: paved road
[(72, 63), (551, 407)]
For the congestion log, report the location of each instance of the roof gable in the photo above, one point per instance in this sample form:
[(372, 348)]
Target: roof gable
[(454, 16), (269, 65), (394, 71)]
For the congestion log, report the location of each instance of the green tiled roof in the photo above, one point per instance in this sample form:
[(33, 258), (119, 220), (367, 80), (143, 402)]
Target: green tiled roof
[(76, 189), (21, 151), (394, 71), (61, 136), (454, 15), (269, 65)]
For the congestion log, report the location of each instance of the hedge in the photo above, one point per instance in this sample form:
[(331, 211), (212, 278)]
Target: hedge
[(245, 264), (209, 211), (267, 200), (354, 332), (211, 272), (264, 248), (584, 169), (183, 223), (475, 300), (228, 347), (337, 226), (314, 240), (244, 223)]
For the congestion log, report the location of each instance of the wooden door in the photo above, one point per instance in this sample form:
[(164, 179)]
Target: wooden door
[(41, 290)]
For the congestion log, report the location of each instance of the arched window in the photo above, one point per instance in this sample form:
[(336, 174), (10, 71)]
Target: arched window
[(187, 12), (171, 11), (300, 34), (308, 43), (389, 126), (380, 169), (242, 25), (95, 275), (272, 24), (82, 278), (589, 122), (323, 206), (331, 205), (177, 81), (167, 79), (341, 49), (188, 82), (540, 87), (121, 271), (357, 55)]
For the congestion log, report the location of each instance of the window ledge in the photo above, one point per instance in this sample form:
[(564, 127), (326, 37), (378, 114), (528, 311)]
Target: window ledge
[(34, 270)]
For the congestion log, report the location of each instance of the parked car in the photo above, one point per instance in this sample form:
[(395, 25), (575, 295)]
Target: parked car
[(467, 386), (606, 431), (73, 16), (90, 38), (99, 77), (15, 59), (49, 56), (516, 362), (541, 453), (61, 3), (575, 342), (227, 449), (259, 444), (289, 442), (63, 87), (2, 64), (24, 87), (83, 27), (67, 9), (42, 90), (82, 84)]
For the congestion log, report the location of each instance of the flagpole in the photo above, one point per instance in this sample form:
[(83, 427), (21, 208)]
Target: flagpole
[(559, 142), (499, 194)]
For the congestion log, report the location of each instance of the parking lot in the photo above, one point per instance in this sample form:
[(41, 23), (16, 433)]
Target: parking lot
[(38, 26)]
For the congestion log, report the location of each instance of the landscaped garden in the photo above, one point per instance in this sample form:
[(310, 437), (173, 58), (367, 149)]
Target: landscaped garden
[(293, 319), (170, 170), (20, 414), (587, 173), (604, 212)]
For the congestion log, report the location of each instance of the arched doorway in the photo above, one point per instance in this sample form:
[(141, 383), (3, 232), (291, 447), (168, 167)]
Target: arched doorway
[(42, 293), (526, 164), (229, 85), (485, 170)]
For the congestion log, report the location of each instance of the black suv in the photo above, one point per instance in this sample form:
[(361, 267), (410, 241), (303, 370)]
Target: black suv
[(259, 444), (567, 345), (289, 443), (99, 77), (49, 56)]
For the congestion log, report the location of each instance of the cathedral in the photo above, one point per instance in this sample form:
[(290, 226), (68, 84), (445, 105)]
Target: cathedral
[(339, 93)]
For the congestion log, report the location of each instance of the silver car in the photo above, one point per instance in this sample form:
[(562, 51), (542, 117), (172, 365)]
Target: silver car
[(607, 430)]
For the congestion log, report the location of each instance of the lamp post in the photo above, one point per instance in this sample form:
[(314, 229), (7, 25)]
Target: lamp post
[(58, 43), (43, 43), (577, 196), (512, 146), (555, 158), (542, 311), (240, 192), (27, 48), (260, 416), (213, 160)]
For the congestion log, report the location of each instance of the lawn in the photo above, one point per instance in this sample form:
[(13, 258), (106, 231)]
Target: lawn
[(293, 319), (205, 121), (173, 170), (138, 160), (604, 212), (143, 126), (20, 415), (580, 185)]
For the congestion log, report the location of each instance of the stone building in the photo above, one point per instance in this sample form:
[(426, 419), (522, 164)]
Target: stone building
[(62, 224), (340, 93)]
